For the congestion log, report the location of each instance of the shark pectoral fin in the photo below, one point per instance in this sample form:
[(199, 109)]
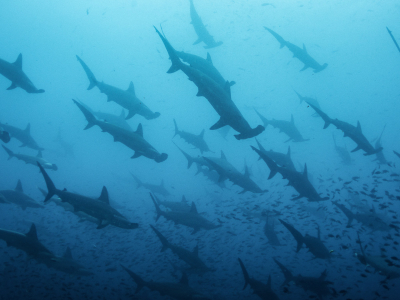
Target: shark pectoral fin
[(197, 41), (356, 149), (130, 115), (12, 86), (221, 123), (200, 93), (103, 223), (304, 68), (136, 155)]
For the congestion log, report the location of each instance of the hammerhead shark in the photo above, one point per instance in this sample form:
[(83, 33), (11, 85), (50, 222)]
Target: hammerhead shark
[(355, 133), (197, 140), (127, 99), (219, 97), (201, 30), (299, 53), (13, 72)]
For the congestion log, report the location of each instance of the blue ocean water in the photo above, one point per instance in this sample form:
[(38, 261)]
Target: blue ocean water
[(117, 41)]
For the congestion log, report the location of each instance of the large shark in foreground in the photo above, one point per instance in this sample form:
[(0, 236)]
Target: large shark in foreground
[(314, 245), (299, 53), (133, 140), (97, 208), (127, 99), (23, 135), (264, 291), (201, 30), (28, 159), (18, 197), (299, 181), (190, 219), (218, 96), (176, 290), (13, 72), (190, 257), (355, 133)]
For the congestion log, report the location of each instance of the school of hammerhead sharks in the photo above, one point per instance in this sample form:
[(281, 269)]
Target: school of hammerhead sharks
[(213, 87)]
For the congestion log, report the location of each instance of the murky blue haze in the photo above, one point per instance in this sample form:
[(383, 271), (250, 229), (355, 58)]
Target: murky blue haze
[(117, 41)]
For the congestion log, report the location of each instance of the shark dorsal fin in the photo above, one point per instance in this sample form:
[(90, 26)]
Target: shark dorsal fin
[(18, 62), (196, 250), (269, 282), (227, 88), (193, 209), (104, 196), (209, 58), (359, 127), (32, 234), (39, 155), (202, 134), (28, 128), (304, 48), (139, 130), (184, 199), (122, 115), (223, 155), (131, 88), (288, 152), (18, 188), (292, 119), (246, 171), (305, 171), (184, 279), (68, 253)]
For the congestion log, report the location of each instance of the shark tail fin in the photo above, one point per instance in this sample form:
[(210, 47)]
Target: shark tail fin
[(176, 62), (296, 234), (164, 241), (288, 275), (9, 152), (245, 273), (138, 181), (88, 115), (139, 281), (89, 73), (50, 185), (176, 129), (270, 163), (158, 210), (188, 157)]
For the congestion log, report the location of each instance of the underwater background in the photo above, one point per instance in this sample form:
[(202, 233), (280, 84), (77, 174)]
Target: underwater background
[(116, 39)]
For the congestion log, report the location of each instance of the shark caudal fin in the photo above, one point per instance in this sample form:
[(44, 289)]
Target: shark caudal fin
[(9, 152), (323, 115), (176, 62), (89, 73), (188, 157), (263, 119), (139, 281), (346, 211), (251, 133), (288, 275), (88, 115), (164, 241), (138, 181), (50, 185), (158, 210), (280, 39), (245, 273), (270, 163), (296, 234)]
